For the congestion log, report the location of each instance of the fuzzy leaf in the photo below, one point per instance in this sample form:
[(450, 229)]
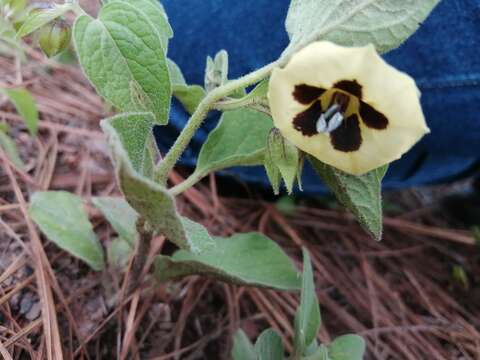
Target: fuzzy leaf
[(307, 318), (242, 347), (347, 347), (362, 195), (321, 353), (120, 215), (238, 140), (128, 135), (248, 259), (188, 95), (157, 16), (26, 107), (62, 217), (10, 147), (383, 23), (36, 19), (119, 252), (128, 140), (269, 346), (123, 57)]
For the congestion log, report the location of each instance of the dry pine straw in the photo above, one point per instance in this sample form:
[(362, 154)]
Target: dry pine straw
[(399, 293)]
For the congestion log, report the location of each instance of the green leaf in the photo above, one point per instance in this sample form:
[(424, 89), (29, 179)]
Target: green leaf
[(120, 215), (40, 17), (26, 107), (307, 318), (62, 217), (320, 354), (242, 347), (119, 252), (269, 346), (127, 138), (238, 140), (347, 347), (383, 23), (154, 11), (188, 95), (124, 59), (8, 145), (248, 259), (362, 195), (216, 72)]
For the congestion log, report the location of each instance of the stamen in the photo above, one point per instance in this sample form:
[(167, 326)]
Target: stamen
[(335, 122), (330, 120)]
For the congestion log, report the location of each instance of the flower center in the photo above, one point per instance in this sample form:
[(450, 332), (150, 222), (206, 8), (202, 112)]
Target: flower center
[(331, 119)]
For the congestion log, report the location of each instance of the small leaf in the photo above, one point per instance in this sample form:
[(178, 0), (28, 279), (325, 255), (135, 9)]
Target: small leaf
[(307, 318), (10, 147), (188, 95), (128, 140), (269, 346), (62, 217), (347, 347), (40, 17), (216, 72), (242, 347), (123, 58), (119, 252), (154, 11), (120, 215), (248, 259), (197, 235), (26, 107), (320, 354), (362, 195), (238, 140), (383, 23)]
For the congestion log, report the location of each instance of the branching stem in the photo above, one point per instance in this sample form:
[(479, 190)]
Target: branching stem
[(167, 164)]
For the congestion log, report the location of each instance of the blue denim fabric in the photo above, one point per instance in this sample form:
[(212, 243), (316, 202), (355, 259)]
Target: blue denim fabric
[(443, 57)]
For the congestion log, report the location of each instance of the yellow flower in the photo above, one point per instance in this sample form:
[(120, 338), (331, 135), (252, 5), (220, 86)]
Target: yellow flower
[(346, 106)]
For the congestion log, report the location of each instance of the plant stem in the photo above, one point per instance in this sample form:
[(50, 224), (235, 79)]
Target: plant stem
[(143, 247), (169, 161), (186, 184)]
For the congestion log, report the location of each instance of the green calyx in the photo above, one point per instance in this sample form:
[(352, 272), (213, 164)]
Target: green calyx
[(55, 37)]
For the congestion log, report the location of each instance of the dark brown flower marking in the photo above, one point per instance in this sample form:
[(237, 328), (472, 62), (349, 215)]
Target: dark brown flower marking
[(306, 121), (306, 94), (348, 136), (351, 87), (372, 118)]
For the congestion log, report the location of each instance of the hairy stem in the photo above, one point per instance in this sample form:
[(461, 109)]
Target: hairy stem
[(143, 247), (187, 184), (167, 164)]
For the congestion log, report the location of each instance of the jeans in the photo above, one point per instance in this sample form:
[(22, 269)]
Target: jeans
[(443, 56)]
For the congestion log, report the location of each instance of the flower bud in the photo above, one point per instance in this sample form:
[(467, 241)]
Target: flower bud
[(54, 37)]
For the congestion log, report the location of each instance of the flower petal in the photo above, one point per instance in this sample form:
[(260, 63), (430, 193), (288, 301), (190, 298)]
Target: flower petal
[(306, 121), (359, 71), (306, 94), (372, 118), (347, 137)]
